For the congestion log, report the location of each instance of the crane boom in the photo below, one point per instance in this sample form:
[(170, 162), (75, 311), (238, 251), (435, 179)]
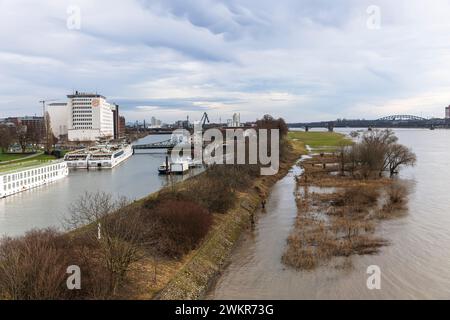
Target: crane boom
[(204, 119)]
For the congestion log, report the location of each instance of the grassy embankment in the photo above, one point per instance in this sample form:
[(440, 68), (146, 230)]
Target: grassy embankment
[(338, 212), (18, 161), (11, 156)]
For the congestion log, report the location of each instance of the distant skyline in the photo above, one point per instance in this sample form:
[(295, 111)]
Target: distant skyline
[(303, 60)]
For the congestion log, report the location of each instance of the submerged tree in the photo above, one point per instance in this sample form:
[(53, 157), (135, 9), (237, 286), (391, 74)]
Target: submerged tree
[(377, 152), (399, 155)]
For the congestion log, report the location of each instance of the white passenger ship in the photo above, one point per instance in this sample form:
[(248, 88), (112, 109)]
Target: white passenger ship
[(101, 156), (13, 182)]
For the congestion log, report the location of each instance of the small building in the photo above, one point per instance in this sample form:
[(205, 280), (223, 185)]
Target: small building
[(447, 112), (59, 118), (122, 126), (116, 120), (235, 122)]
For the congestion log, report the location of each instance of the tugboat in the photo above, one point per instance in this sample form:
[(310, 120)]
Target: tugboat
[(162, 169)]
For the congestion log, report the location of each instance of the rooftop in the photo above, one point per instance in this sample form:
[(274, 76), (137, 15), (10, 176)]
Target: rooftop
[(78, 94), (62, 104)]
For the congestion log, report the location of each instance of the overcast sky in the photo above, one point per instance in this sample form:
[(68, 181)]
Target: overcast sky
[(302, 60)]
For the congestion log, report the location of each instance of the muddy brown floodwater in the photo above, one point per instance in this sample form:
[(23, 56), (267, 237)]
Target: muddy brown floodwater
[(416, 265)]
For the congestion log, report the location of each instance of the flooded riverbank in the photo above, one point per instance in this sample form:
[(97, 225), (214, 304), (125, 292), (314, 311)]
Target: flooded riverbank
[(415, 265)]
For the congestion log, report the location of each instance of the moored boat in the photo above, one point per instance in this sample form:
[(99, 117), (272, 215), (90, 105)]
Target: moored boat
[(101, 156), (27, 178)]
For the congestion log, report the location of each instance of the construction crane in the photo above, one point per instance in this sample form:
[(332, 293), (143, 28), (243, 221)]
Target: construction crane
[(204, 119), (44, 102)]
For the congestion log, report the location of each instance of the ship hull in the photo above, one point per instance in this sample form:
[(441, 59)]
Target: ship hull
[(29, 178)]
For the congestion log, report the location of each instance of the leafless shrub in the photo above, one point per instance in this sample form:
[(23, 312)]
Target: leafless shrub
[(395, 202), (34, 266), (212, 193), (356, 199), (180, 226)]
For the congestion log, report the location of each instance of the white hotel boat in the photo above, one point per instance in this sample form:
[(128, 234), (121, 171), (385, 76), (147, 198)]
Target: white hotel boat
[(16, 181), (102, 156)]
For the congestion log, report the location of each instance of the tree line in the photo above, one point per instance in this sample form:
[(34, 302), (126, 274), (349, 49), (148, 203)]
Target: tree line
[(27, 137)]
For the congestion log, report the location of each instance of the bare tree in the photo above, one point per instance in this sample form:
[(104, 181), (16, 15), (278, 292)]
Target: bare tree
[(90, 208), (114, 227), (372, 150), (33, 136), (5, 138), (399, 155), (377, 152), (21, 137), (50, 138)]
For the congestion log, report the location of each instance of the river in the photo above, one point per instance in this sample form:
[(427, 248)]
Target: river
[(47, 206), (416, 265)]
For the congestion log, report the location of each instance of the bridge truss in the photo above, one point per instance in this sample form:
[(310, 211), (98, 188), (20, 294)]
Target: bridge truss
[(402, 117)]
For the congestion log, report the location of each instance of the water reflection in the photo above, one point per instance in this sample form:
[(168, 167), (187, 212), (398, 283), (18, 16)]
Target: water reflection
[(47, 206)]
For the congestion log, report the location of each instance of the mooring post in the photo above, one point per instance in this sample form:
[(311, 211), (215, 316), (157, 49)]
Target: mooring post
[(167, 164)]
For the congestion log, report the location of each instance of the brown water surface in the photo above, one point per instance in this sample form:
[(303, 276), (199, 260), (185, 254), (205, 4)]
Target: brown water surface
[(415, 266)]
